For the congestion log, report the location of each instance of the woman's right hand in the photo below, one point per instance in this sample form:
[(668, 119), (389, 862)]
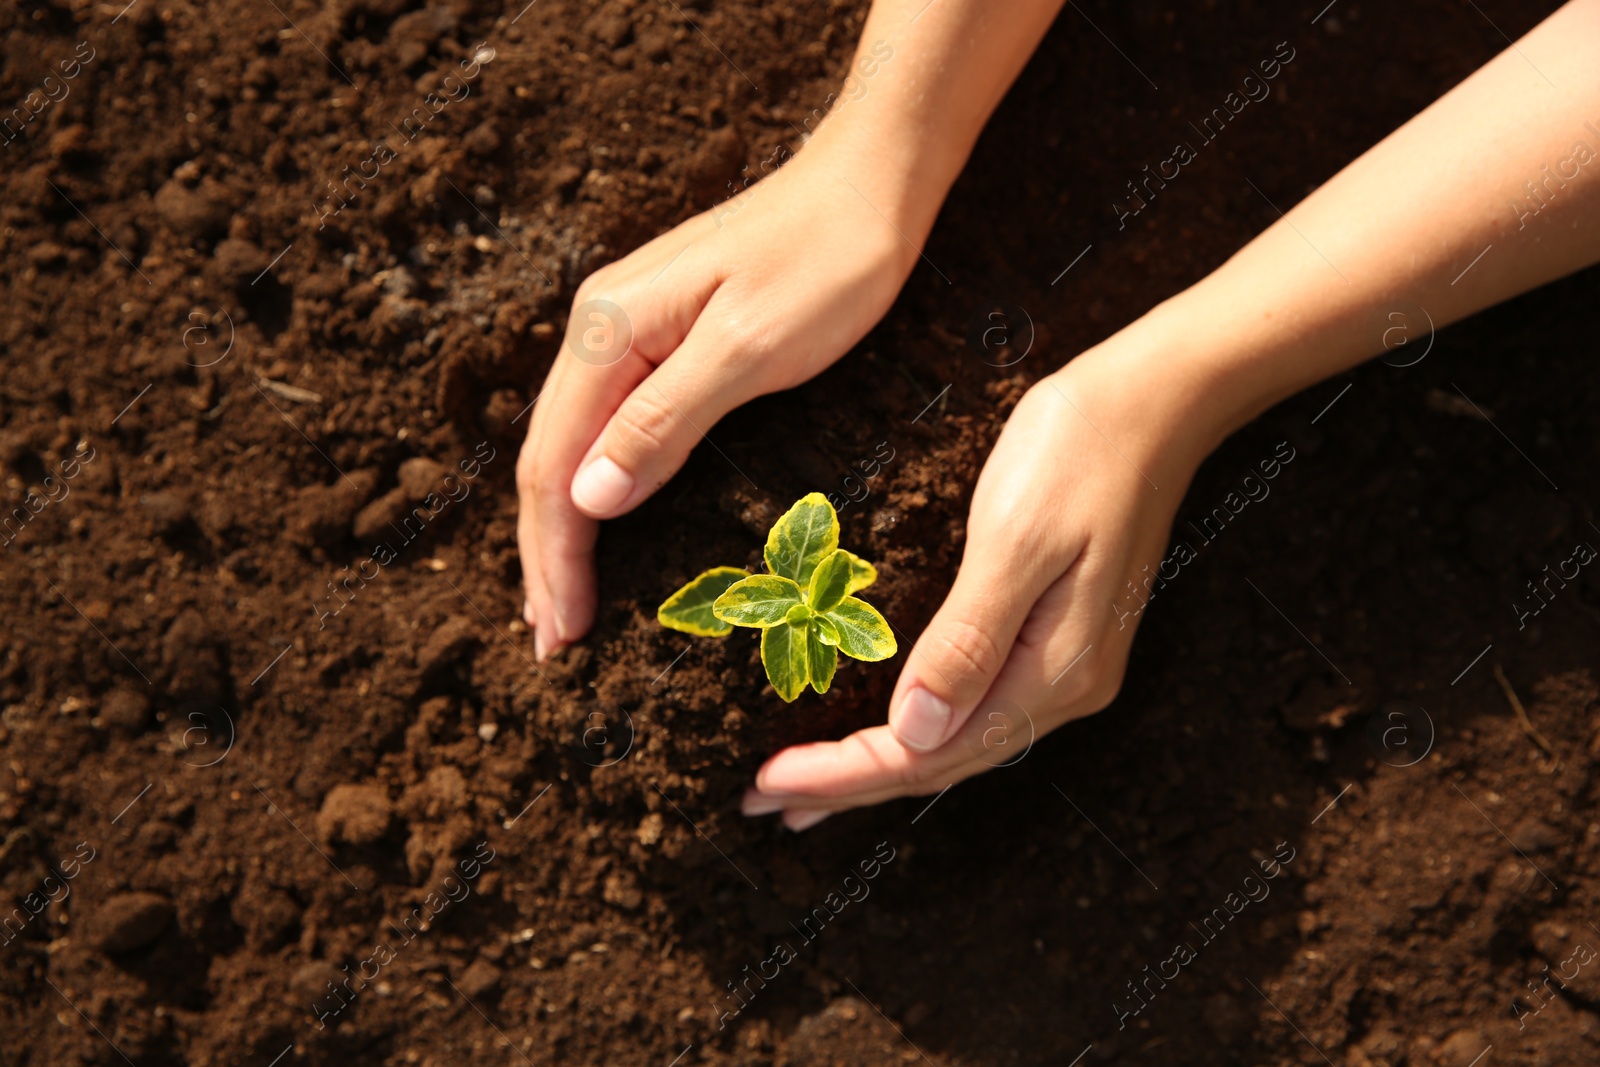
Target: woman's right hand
[(754, 296), (761, 292)]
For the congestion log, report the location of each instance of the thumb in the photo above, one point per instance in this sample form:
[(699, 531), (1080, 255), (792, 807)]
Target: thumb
[(655, 428), (958, 656)]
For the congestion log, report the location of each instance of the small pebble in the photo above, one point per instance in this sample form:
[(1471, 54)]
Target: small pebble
[(128, 921)]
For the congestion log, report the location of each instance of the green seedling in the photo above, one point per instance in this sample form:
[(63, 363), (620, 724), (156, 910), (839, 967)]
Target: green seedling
[(803, 607)]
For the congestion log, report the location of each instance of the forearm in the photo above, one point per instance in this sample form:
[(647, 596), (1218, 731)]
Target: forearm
[(937, 71), (1508, 162)]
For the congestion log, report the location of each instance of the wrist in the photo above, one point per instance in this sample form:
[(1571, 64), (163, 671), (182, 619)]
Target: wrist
[(1158, 390), (1214, 357), (864, 157)]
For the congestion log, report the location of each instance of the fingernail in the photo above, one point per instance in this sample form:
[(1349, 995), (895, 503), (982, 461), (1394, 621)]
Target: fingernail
[(601, 486), (527, 614), (541, 643), (804, 820), (758, 803), (922, 720), (563, 634)]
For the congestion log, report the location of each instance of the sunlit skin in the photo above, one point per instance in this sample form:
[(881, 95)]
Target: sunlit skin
[(794, 278)]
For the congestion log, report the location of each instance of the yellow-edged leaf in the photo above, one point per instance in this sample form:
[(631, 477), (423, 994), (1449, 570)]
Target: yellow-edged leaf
[(821, 660), (800, 539), (826, 630), (863, 633), (830, 582), (783, 653), (759, 600), (862, 573), (689, 609)]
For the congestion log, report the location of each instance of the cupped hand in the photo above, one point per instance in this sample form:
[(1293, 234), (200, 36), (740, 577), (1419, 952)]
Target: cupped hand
[(1076, 499), (754, 296)]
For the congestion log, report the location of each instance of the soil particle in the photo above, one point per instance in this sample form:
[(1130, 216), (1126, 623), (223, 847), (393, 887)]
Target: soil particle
[(309, 982), (125, 711), (442, 793), (378, 520), (649, 830), (128, 921), (70, 143), (714, 164), (325, 514), (564, 178), (1461, 1049), (267, 915), (158, 836), (47, 254), (193, 213), (446, 644), (1570, 958), (483, 140), (846, 1031), (441, 823), (655, 43), (192, 654), (238, 260), (413, 35), (1535, 835), (358, 814), (481, 978), (419, 476), (622, 889), (1320, 706), (1383, 1047), (503, 406), (167, 509), (610, 24)]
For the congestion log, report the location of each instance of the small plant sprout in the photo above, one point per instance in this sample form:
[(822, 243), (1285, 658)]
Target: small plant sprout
[(803, 607)]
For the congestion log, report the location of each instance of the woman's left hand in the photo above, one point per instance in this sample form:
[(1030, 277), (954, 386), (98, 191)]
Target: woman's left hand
[(1076, 499)]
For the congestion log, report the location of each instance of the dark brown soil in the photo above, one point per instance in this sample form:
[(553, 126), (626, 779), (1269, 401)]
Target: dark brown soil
[(241, 788)]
